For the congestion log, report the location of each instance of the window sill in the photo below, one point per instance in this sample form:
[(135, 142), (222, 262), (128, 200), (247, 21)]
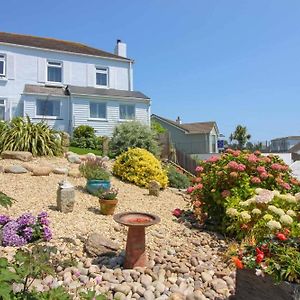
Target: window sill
[(101, 86), (98, 120), (3, 78), (54, 84), (47, 118), (126, 120)]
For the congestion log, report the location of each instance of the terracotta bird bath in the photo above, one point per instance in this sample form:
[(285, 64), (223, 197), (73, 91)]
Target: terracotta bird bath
[(135, 247)]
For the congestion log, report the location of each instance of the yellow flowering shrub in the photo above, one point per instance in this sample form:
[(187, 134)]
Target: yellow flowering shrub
[(139, 166)]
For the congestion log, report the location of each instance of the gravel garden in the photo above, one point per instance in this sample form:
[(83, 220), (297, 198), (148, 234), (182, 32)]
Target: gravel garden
[(60, 239)]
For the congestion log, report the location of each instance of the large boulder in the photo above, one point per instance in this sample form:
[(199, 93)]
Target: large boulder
[(41, 171), (15, 169), (20, 155), (97, 245)]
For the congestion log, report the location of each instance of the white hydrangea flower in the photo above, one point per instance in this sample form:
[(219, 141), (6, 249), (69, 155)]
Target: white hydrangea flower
[(289, 198), (231, 212), (297, 196), (251, 200), (272, 208), (276, 193), (258, 190), (244, 203), (291, 213), (256, 211), (245, 216), (280, 212), (273, 225), (265, 196), (267, 217), (286, 219)]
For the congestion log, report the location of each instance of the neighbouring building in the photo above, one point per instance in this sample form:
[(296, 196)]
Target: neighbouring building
[(284, 144), (68, 84), (191, 138)]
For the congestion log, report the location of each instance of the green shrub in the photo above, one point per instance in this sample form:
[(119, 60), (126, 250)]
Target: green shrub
[(139, 166), (132, 135), (84, 137), (177, 179), (157, 128), (23, 135), (94, 169)]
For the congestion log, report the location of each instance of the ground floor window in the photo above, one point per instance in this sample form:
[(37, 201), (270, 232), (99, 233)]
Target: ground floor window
[(127, 112), (49, 108), (98, 110), (2, 109)]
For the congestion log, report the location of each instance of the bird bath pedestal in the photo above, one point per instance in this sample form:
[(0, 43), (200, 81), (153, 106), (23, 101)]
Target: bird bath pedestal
[(136, 247)]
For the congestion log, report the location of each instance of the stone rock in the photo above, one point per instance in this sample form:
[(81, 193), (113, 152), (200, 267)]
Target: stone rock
[(75, 173), (65, 199), (148, 295), (122, 288), (154, 188), (176, 296), (41, 171), (97, 245), (1, 169), (206, 276), (65, 139), (219, 285), (19, 155), (119, 296), (60, 171), (146, 280), (74, 158), (28, 167), (84, 278), (90, 156), (15, 169)]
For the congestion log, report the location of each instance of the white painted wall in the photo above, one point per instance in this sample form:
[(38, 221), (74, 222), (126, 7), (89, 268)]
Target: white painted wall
[(28, 66), (286, 157), (81, 114)]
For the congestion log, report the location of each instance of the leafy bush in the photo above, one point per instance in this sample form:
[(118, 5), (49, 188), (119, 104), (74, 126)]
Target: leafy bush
[(25, 229), (5, 200), (224, 181), (140, 167), (157, 127), (177, 179), (84, 137), (132, 135), (94, 168), (23, 135)]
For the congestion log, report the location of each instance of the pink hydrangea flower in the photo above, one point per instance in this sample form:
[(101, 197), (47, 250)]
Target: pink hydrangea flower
[(257, 152), (213, 159), (255, 180), (225, 193), (199, 186), (233, 174), (261, 169), (264, 175), (177, 212), (286, 186), (252, 158), (241, 167), (276, 167), (236, 153), (233, 165), (199, 169), (198, 179), (190, 189), (197, 203)]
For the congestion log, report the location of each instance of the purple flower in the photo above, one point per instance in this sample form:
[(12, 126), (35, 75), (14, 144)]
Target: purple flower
[(28, 233), (10, 235), (43, 218), (4, 219), (43, 214), (47, 233), (26, 219)]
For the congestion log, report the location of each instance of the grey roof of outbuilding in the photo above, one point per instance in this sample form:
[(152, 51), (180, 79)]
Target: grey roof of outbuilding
[(191, 128), (55, 44), (79, 90)]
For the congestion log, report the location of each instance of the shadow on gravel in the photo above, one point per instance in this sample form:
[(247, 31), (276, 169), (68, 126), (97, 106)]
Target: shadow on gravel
[(94, 210)]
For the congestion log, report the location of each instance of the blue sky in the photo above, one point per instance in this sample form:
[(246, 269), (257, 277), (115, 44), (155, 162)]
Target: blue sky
[(233, 61)]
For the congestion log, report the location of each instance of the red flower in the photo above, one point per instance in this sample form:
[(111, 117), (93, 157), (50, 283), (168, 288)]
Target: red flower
[(225, 193), (177, 212), (259, 255), (238, 263), (281, 236), (286, 231)]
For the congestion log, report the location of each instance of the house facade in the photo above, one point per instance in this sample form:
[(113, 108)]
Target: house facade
[(197, 139), (68, 84), (284, 144)]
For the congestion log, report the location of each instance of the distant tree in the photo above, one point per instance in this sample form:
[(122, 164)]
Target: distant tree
[(240, 135), (157, 127)]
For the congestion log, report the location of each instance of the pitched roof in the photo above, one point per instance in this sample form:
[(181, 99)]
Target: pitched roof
[(295, 148), (292, 137), (190, 128), (79, 90), (55, 44)]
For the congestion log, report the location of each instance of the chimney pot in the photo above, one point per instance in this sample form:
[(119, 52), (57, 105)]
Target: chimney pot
[(121, 49), (178, 120)]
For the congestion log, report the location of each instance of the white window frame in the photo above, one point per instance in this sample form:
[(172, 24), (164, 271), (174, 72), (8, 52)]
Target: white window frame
[(102, 70), (3, 59), (127, 120), (46, 116), (5, 108), (97, 119), (49, 61)]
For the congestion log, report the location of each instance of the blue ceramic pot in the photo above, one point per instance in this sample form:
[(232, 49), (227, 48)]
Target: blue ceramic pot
[(93, 185)]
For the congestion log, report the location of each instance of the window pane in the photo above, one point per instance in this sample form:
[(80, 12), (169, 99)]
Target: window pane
[(54, 74), (1, 67), (98, 110), (101, 79), (2, 101), (127, 112), (48, 108), (2, 113)]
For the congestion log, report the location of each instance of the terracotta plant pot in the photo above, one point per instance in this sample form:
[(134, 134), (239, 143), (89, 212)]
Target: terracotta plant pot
[(108, 206), (249, 286)]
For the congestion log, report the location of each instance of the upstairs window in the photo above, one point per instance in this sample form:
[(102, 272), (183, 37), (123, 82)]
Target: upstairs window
[(97, 110), (101, 77), (127, 112), (2, 109), (49, 108), (54, 71), (2, 65)]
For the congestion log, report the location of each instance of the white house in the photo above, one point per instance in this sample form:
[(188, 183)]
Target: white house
[(68, 84)]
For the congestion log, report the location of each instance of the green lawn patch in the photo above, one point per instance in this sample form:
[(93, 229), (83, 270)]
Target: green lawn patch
[(82, 151)]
